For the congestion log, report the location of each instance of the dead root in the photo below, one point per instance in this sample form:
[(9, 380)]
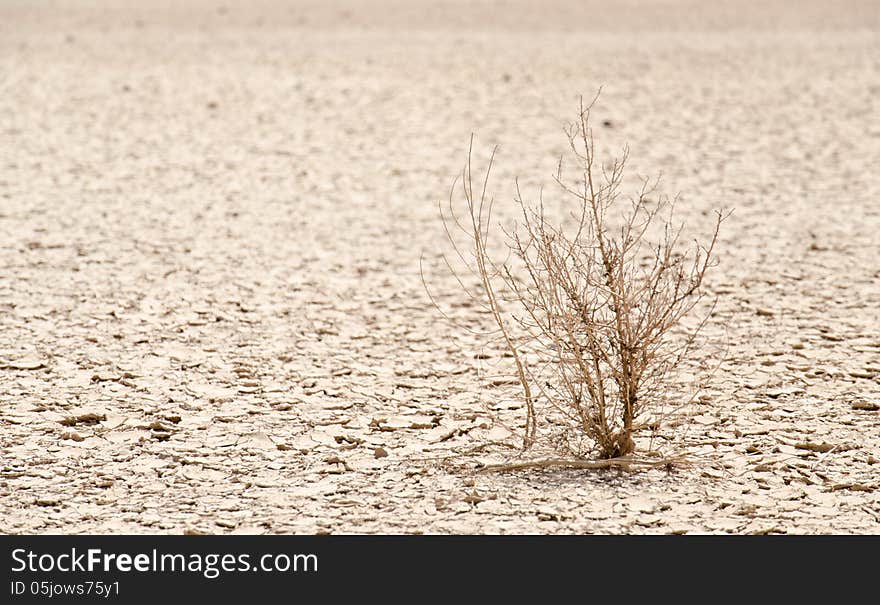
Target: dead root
[(627, 463)]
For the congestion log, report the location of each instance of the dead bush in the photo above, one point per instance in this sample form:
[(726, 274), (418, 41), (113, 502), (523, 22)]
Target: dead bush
[(589, 305)]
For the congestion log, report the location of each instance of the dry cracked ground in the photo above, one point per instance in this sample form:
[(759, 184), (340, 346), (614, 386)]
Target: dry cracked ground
[(211, 218)]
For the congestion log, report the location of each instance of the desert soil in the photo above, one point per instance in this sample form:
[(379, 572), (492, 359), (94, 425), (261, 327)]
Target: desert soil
[(211, 218)]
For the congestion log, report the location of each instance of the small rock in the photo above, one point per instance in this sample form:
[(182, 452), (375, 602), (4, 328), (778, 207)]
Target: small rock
[(26, 363), (89, 418), (853, 487), (548, 514), (105, 377), (380, 452), (859, 374), (821, 448)]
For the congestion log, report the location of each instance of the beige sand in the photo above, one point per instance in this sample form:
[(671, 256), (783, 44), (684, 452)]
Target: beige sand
[(211, 217)]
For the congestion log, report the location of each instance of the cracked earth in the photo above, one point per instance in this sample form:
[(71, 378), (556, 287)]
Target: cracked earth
[(212, 318)]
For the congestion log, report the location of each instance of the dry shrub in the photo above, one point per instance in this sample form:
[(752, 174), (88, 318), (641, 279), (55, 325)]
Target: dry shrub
[(589, 307)]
